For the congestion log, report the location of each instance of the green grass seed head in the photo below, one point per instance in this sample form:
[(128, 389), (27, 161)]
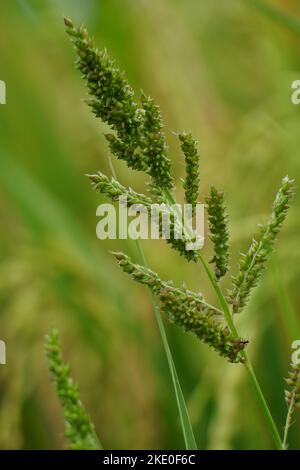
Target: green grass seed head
[(187, 310), (218, 231), (252, 264), (80, 431), (139, 138)]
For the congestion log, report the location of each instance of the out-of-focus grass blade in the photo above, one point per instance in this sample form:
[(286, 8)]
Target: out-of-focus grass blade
[(276, 14), (46, 215), (289, 316), (187, 429), (51, 221), (185, 421)]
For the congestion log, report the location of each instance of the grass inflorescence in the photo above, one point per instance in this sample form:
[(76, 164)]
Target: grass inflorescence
[(80, 431), (137, 137)]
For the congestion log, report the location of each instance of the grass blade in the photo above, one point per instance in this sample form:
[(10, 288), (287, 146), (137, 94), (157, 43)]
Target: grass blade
[(289, 316), (186, 426), (276, 14)]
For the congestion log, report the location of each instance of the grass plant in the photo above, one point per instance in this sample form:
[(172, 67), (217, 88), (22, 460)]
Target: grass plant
[(137, 137)]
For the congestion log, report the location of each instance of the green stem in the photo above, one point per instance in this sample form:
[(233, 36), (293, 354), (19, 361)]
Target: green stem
[(247, 363), (187, 430), (263, 403), (288, 421), (229, 318), (222, 301)]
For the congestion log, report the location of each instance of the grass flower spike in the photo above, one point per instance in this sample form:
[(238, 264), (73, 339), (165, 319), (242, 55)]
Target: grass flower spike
[(188, 310), (252, 264), (292, 396), (139, 139), (114, 190), (153, 145), (80, 431), (191, 182), (218, 231)]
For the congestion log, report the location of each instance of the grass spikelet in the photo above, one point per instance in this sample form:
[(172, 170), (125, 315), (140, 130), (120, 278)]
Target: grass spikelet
[(188, 310), (218, 231), (139, 139), (191, 182), (253, 263)]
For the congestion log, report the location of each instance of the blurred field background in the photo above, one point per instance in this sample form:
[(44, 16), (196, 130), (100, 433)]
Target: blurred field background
[(222, 69)]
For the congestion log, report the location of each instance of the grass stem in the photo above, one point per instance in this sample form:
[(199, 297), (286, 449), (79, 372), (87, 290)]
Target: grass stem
[(255, 384), (288, 422)]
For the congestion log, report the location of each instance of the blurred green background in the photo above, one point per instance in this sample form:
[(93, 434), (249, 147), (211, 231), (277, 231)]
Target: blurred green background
[(222, 69)]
